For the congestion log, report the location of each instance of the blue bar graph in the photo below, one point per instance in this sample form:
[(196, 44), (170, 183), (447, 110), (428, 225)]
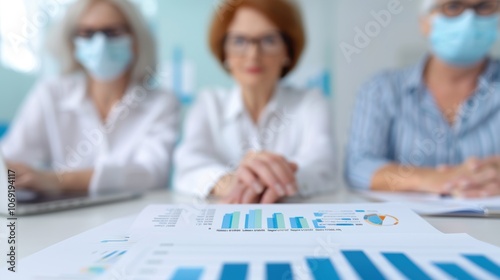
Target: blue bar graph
[(295, 223), (363, 265), (406, 266), (253, 220), (234, 272), (485, 263), (455, 271), (279, 271), (226, 222), (276, 222), (270, 223), (187, 274), (322, 269)]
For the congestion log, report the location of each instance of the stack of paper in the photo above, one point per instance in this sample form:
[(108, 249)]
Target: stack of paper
[(433, 204)]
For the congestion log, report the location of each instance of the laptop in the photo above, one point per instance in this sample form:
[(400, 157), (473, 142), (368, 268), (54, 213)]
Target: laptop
[(28, 202)]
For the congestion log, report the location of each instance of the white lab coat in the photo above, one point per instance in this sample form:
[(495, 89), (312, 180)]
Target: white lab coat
[(58, 128), (218, 133)]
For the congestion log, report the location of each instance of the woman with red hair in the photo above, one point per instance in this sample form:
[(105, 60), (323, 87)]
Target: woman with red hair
[(262, 140)]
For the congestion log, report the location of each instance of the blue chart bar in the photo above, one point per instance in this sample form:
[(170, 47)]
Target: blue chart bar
[(279, 271), (295, 222), (234, 272), (251, 219), (322, 269), (318, 214), (484, 263), (455, 271), (270, 223), (247, 221), (406, 266), (187, 274), (226, 222), (363, 265)]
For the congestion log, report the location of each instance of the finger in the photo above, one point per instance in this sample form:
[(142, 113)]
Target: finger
[(249, 196), (492, 189), (19, 169), (266, 176), (249, 179), (479, 179), (269, 197), (443, 168), (283, 172), (234, 196), (491, 161), (293, 166), (471, 193), (473, 163), (25, 181)]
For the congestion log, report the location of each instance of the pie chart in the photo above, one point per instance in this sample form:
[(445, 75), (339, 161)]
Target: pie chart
[(381, 220)]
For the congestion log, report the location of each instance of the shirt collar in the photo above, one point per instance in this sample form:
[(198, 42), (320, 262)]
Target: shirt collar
[(77, 91), (415, 75), (236, 106), (415, 78)]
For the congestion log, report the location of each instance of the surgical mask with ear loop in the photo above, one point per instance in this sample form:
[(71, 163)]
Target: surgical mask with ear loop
[(463, 40), (105, 59)]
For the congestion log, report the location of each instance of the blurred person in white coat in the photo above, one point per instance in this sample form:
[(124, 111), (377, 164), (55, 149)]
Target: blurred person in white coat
[(261, 141), (101, 126)]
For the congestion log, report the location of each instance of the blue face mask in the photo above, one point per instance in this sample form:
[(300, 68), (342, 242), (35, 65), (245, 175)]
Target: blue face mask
[(105, 59), (464, 40)]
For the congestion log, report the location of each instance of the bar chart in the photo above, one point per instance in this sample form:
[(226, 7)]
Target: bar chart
[(254, 219), (279, 217), (277, 221), (231, 221), (361, 264)]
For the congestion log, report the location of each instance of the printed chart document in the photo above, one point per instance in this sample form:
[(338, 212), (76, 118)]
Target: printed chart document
[(85, 256), (326, 255), (290, 218), (432, 204), (303, 241)]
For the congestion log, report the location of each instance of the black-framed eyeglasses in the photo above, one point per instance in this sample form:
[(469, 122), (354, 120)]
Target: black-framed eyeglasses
[(269, 44), (110, 32), (456, 8)]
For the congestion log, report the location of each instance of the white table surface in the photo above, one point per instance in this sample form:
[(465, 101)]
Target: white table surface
[(40, 231)]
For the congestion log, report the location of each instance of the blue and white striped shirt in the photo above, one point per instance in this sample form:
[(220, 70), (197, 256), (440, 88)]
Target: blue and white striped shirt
[(396, 120)]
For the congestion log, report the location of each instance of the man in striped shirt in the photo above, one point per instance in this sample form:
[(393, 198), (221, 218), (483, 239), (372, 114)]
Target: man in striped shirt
[(435, 127)]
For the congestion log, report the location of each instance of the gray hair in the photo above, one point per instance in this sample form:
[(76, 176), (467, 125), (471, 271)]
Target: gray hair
[(427, 6), (62, 46)]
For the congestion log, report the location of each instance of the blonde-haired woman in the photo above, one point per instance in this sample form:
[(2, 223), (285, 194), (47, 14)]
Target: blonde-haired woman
[(101, 126)]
